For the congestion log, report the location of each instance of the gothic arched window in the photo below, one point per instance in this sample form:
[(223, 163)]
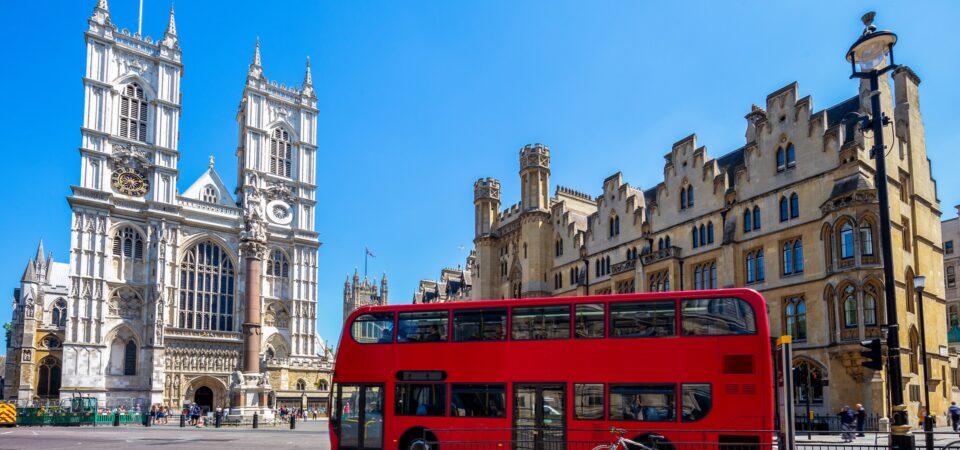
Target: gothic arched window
[(206, 288), (48, 382), (133, 113), (209, 195), (696, 240), (690, 197), (683, 198), (709, 232), (130, 358), (301, 385), (756, 217), (784, 210), (795, 315), (277, 266), (703, 235), (760, 270), (59, 315), (794, 205), (747, 223), (870, 297), (846, 241), (323, 385), (791, 156), (866, 238), (281, 153), (850, 307), (781, 160), (127, 243), (914, 351)]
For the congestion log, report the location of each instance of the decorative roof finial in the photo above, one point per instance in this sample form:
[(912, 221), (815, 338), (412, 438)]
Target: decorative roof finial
[(102, 4), (867, 20), (308, 78), (255, 72), (172, 24), (211, 162), (256, 54), (101, 13)]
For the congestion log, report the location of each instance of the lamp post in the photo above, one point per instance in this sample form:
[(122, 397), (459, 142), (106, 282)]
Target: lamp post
[(919, 282), (873, 52), (586, 269)]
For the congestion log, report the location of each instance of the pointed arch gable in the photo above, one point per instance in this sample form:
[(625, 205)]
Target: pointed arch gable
[(286, 126), (148, 91)]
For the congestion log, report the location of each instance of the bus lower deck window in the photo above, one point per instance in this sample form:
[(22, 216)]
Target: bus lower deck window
[(588, 401), (646, 319), (478, 400), (643, 402), (550, 322), (696, 400), (427, 326), (420, 399)]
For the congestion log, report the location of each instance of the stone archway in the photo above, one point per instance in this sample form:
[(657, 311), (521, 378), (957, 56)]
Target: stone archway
[(203, 397), (208, 392)]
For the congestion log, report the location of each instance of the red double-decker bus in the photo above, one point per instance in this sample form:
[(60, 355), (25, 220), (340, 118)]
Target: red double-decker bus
[(543, 373)]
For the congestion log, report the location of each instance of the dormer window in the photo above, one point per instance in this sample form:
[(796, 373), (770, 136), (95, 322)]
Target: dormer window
[(133, 113), (209, 195)]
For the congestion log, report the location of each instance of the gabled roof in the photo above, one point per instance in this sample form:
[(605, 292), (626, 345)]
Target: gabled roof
[(210, 178)]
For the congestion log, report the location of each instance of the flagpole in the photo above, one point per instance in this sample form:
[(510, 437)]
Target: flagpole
[(366, 255), (140, 20)]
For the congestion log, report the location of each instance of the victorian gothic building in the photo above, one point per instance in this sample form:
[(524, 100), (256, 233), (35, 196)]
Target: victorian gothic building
[(793, 213), (168, 296)]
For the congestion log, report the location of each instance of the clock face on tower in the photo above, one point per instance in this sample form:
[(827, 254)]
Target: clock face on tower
[(130, 181)]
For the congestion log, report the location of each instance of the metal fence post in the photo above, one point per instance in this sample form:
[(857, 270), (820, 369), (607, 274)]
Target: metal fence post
[(293, 421), (183, 419)]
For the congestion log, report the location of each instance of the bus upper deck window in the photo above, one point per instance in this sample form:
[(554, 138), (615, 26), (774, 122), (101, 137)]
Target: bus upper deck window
[(643, 319), (376, 328), (480, 325), (717, 316), (425, 326), (589, 321)]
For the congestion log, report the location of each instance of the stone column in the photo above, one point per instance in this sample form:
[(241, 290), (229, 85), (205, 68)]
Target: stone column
[(253, 255)]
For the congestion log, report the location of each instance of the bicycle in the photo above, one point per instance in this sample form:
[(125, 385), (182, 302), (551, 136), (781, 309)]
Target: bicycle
[(623, 443)]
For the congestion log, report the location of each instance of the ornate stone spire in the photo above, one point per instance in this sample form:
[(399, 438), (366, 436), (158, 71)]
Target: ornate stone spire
[(170, 36), (256, 69), (101, 13), (211, 162), (308, 81), (40, 253)]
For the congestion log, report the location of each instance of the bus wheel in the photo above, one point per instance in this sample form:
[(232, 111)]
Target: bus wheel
[(653, 441), (416, 439)]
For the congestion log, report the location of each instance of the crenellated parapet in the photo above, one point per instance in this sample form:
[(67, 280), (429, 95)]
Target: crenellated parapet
[(486, 189), (535, 156)]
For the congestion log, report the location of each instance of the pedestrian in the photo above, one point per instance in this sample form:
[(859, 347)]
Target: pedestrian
[(861, 419), (954, 415), (846, 423), (153, 414)]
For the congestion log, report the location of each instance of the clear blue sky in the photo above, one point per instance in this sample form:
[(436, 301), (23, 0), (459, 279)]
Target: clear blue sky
[(418, 99)]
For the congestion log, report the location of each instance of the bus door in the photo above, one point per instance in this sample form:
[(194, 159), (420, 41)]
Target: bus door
[(359, 416), (539, 416)]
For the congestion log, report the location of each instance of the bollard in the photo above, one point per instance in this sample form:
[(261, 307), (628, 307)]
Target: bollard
[(293, 422), (256, 420), (116, 418), (146, 419), (216, 420), (183, 420)]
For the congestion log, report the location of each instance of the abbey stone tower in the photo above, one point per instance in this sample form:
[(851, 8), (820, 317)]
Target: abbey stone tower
[(171, 297)]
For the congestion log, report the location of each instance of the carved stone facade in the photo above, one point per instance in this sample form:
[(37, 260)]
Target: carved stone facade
[(150, 308), (792, 213)]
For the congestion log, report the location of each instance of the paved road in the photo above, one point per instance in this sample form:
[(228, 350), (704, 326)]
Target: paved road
[(307, 435)]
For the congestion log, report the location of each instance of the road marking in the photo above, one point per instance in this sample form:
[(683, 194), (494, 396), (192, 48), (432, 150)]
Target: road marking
[(34, 433), (6, 432)]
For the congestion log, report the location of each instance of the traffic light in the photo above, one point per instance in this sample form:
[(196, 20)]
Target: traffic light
[(873, 355)]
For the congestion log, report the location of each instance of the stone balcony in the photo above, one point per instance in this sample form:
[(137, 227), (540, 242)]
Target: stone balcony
[(660, 255)]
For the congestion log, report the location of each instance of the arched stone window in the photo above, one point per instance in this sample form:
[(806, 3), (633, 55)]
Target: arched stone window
[(870, 302), (59, 314), (696, 240), (794, 205), (281, 153), (277, 266), (683, 198), (206, 288), (703, 235), (849, 302), (795, 318), (781, 159), (128, 243), (709, 232), (756, 217), (914, 351), (301, 385), (846, 241), (866, 238), (209, 195), (48, 378), (133, 113), (784, 210), (791, 156), (323, 385), (807, 380), (130, 358), (911, 294), (689, 196), (747, 222)]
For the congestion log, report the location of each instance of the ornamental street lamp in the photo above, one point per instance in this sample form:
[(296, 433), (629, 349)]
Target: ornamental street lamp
[(919, 282), (873, 53)]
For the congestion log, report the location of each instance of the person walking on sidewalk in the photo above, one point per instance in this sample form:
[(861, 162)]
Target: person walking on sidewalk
[(861, 419), (954, 415), (846, 423)]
